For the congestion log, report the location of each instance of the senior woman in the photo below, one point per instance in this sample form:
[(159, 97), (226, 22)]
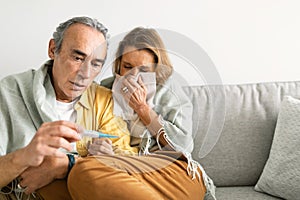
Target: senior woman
[(158, 116)]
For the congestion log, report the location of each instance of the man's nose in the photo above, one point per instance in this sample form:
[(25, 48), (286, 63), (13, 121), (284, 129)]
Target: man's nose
[(85, 70)]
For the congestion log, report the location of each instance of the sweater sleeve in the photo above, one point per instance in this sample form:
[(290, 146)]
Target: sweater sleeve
[(3, 127), (17, 114), (174, 106)]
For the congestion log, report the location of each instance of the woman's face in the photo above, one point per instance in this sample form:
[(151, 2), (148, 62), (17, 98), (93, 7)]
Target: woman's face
[(135, 60)]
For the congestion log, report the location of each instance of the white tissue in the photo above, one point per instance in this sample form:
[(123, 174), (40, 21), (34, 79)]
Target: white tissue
[(121, 106)]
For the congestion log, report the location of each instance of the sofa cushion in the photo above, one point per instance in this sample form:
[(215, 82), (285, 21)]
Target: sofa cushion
[(281, 175), (244, 118), (244, 193)]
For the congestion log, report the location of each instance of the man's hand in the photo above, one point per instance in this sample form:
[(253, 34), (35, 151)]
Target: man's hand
[(37, 177), (29, 161), (101, 146), (48, 139)]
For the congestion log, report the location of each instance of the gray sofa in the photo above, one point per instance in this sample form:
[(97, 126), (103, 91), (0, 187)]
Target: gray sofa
[(244, 118)]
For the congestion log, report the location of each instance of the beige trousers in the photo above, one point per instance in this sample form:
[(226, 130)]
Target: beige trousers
[(124, 177), (134, 178), (57, 190)]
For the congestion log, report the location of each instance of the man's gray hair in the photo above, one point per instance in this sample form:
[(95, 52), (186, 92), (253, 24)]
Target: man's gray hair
[(58, 35)]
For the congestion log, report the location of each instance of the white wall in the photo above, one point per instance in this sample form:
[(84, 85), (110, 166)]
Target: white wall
[(248, 41)]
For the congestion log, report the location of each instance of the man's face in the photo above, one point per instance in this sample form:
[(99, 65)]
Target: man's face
[(79, 61)]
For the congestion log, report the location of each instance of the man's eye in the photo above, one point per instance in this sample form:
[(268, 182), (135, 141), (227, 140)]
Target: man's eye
[(96, 65), (77, 58), (127, 67)]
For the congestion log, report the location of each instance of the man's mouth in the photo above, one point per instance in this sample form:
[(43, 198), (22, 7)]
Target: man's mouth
[(77, 86)]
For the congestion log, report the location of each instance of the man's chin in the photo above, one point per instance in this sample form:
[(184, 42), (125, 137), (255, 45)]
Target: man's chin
[(76, 93)]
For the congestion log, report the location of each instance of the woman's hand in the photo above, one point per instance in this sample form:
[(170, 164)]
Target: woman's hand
[(136, 96), (101, 146), (136, 93)]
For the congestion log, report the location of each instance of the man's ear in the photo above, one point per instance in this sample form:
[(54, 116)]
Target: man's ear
[(51, 49)]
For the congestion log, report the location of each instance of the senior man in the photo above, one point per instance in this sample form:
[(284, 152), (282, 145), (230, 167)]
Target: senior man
[(40, 108)]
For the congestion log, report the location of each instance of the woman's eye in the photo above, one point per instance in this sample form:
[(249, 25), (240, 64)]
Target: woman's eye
[(127, 67), (144, 70)]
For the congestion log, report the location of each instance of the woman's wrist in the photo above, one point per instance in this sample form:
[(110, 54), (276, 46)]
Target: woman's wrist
[(156, 125), (144, 113)]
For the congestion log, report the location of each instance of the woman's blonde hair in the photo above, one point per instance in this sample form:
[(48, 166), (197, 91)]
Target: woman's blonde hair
[(146, 39)]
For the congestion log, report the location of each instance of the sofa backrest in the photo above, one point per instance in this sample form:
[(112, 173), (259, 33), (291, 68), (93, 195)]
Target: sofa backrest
[(244, 117)]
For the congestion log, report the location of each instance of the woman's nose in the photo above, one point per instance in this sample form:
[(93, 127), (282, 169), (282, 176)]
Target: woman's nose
[(134, 71)]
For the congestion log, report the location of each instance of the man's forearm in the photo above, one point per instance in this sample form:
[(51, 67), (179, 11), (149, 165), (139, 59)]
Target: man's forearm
[(11, 166), (34, 178)]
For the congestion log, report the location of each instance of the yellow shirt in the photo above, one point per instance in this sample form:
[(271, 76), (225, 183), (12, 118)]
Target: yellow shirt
[(95, 112)]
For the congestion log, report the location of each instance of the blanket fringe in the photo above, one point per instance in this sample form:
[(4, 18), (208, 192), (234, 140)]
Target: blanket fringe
[(18, 192), (193, 166)]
